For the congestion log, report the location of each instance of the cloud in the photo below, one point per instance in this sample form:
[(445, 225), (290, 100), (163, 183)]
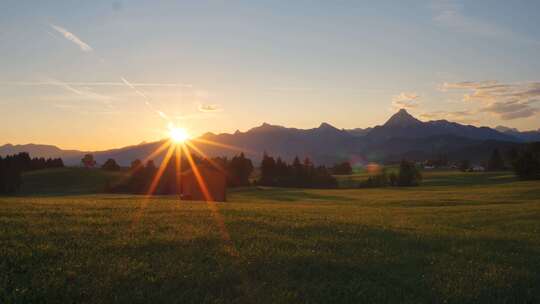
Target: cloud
[(97, 84), (292, 89), (466, 85), (82, 93), (73, 38), (405, 100), (511, 110), (506, 100), (457, 116), (209, 108), (450, 14)]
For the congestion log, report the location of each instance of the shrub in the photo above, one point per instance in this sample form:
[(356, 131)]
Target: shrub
[(408, 174)]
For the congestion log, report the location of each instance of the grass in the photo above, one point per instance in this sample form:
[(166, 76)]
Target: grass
[(461, 238), (67, 181)]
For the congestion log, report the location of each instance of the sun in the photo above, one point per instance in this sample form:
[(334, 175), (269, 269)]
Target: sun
[(178, 135)]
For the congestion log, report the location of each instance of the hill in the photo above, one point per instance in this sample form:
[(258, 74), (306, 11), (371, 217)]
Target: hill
[(37, 150)]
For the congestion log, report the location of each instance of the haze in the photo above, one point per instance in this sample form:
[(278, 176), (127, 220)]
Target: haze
[(97, 75)]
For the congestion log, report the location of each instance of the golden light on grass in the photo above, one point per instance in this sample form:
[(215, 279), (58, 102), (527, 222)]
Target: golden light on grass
[(177, 146)]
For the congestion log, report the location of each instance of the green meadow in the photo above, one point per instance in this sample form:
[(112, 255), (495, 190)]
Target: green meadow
[(458, 238)]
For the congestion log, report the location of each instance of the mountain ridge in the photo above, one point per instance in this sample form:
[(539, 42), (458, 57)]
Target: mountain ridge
[(401, 134)]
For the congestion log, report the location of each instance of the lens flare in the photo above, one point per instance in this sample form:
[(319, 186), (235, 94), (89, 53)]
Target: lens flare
[(178, 135)]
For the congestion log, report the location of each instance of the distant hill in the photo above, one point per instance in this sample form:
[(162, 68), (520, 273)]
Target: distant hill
[(35, 150), (401, 136), (521, 135)]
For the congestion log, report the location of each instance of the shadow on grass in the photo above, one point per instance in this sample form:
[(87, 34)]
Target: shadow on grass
[(355, 264), (467, 178), (279, 261), (288, 194)]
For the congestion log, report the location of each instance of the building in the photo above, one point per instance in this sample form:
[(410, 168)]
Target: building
[(478, 168), (215, 181)]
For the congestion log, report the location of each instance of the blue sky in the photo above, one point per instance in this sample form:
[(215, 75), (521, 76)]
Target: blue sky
[(102, 74)]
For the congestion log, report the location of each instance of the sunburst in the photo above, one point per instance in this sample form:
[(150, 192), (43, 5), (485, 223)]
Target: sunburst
[(180, 144)]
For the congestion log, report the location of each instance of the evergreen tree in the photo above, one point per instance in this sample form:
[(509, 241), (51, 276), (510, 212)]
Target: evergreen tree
[(343, 168), (268, 171), (527, 164), (239, 170), (495, 162)]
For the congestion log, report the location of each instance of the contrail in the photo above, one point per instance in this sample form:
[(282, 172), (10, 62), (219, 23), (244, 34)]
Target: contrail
[(72, 37), (147, 100)]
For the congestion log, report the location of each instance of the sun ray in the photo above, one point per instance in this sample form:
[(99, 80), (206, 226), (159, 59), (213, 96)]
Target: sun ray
[(162, 167), (205, 156), (178, 166), (213, 143), (156, 152), (153, 186), (212, 206), (198, 176)]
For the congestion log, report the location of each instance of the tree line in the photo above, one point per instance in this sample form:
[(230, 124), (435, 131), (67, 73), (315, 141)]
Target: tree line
[(237, 170), (408, 175), (524, 161), (12, 166), (277, 172)]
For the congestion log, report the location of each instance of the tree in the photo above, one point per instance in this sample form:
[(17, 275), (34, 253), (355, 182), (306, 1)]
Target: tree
[(136, 165), (408, 174), (10, 175), (110, 165), (88, 161), (380, 179), (268, 170), (527, 164), (495, 162), (239, 170), (298, 174), (343, 168)]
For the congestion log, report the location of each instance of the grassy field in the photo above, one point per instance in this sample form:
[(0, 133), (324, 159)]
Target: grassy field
[(460, 238)]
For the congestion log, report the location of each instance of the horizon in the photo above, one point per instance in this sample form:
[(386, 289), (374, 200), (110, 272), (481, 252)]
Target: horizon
[(166, 137), (97, 76)]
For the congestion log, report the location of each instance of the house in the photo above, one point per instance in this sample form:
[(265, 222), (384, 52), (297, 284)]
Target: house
[(478, 168), (214, 180)]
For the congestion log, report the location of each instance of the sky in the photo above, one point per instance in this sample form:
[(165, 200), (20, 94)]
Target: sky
[(96, 75)]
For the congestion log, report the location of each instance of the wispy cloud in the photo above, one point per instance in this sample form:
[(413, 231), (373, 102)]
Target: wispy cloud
[(506, 100), (292, 89), (66, 86), (97, 84), (465, 116), (209, 108), (83, 94), (451, 15), (405, 100), (72, 37)]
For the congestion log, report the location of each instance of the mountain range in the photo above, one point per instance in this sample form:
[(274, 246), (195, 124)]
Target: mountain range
[(402, 136)]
